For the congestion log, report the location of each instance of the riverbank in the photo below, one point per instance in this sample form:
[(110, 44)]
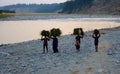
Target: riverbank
[(5, 15), (27, 57), (15, 31)]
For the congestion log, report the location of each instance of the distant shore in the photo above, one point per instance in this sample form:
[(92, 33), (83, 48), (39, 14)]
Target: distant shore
[(5, 15), (29, 14), (47, 14)]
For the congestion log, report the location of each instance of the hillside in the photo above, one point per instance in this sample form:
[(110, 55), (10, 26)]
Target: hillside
[(108, 7), (33, 8), (70, 7), (92, 7)]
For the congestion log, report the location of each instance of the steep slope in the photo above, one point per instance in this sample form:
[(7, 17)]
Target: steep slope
[(105, 7), (92, 7), (33, 8)]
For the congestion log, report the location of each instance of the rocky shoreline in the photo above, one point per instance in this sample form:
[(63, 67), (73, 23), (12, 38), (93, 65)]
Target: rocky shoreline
[(27, 57)]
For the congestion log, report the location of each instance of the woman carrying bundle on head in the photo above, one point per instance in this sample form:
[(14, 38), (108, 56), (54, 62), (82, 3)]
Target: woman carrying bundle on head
[(78, 37), (96, 35), (45, 43)]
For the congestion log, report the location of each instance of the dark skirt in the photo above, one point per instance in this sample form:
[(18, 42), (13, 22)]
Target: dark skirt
[(55, 48), (96, 42)]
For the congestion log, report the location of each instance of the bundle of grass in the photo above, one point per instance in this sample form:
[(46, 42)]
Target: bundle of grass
[(55, 32), (45, 33), (79, 31)]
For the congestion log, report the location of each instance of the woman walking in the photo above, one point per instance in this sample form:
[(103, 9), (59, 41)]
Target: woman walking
[(80, 35), (55, 44), (45, 44), (96, 35)]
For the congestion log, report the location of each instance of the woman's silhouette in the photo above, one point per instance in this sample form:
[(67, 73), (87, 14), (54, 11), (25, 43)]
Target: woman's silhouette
[(96, 35)]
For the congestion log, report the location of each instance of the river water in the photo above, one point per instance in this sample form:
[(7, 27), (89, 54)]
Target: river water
[(23, 28)]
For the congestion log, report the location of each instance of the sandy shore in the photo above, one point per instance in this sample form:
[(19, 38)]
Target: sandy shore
[(27, 57)]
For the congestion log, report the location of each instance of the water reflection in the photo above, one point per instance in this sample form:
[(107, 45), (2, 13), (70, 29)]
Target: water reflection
[(24, 30)]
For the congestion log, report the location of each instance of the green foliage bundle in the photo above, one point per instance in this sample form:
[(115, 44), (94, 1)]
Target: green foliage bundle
[(55, 32), (45, 33), (77, 31), (52, 32)]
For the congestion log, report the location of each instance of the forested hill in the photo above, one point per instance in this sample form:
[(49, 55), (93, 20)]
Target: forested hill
[(71, 7), (92, 6), (33, 8)]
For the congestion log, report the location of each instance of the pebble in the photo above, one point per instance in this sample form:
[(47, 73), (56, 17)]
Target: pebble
[(4, 54), (109, 52), (102, 71)]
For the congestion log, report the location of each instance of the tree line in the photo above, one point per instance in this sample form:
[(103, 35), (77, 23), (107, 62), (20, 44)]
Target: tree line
[(35, 8), (6, 11), (73, 6)]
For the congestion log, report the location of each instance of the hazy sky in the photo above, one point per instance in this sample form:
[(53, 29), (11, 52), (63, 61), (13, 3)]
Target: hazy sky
[(9, 2)]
